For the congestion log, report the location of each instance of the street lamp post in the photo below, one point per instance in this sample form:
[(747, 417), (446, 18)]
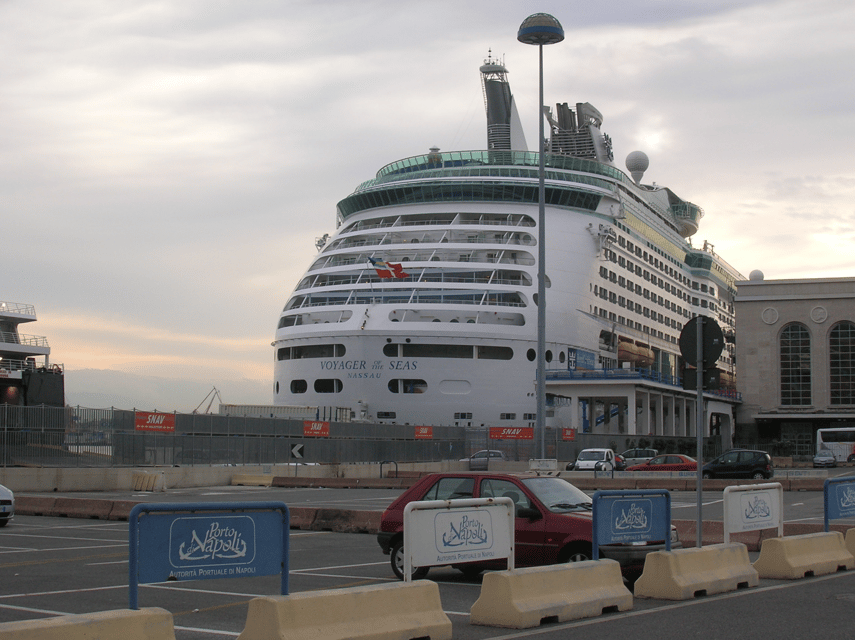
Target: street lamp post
[(541, 29)]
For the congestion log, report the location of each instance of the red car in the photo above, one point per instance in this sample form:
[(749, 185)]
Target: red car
[(667, 462), (553, 521)]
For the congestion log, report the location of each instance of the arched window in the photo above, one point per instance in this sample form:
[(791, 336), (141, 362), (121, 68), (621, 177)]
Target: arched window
[(795, 365), (841, 349)]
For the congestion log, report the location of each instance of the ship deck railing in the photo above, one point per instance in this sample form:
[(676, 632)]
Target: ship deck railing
[(30, 365), (632, 374), (378, 298), (17, 308), (8, 337), (431, 279), (445, 221), (353, 243), (344, 261)]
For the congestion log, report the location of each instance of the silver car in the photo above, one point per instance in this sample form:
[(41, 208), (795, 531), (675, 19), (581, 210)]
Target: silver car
[(481, 461), (824, 458), (7, 505), (638, 456)]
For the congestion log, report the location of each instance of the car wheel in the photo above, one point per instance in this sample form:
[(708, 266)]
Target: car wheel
[(851, 458), (707, 475), (758, 475), (577, 552), (397, 561), (3, 523)]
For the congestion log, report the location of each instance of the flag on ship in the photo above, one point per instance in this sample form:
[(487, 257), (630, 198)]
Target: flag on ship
[(387, 269)]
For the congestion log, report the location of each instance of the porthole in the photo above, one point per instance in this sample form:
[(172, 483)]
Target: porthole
[(531, 355), (299, 386)]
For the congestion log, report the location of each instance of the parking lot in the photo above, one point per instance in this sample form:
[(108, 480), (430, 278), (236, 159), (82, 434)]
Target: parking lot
[(51, 566)]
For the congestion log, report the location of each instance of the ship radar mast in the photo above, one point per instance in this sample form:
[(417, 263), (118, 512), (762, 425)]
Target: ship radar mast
[(504, 128)]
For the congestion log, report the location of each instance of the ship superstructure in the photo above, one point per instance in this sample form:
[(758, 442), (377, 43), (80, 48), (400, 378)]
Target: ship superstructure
[(421, 308), (27, 376)]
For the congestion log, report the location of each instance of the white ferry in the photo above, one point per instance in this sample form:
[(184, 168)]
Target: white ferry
[(421, 308), (27, 377)]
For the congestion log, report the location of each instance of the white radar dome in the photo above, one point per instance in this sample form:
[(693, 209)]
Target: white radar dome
[(756, 275), (637, 163)]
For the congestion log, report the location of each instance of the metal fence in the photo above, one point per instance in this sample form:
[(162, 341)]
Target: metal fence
[(567, 450), (81, 437)]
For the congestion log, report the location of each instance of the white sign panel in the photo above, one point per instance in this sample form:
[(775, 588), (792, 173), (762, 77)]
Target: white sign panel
[(753, 507), (442, 532)]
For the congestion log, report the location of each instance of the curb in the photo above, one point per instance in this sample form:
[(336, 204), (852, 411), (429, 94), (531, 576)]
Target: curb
[(302, 518)]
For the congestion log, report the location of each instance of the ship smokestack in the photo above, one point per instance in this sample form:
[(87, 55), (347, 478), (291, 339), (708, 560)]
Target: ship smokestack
[(504, 129)]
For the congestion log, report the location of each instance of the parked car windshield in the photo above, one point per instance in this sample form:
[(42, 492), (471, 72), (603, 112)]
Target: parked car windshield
[(558, 495), (589, 454)]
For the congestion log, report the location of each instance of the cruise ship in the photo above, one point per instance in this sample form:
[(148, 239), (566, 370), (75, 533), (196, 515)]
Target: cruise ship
[(421, 308)]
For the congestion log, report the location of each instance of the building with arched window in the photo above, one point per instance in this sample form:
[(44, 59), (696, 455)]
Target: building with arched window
[(796, 356)]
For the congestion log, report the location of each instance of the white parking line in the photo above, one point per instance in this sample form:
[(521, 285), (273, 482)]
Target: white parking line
[(99, 546), (31, 610), (57, 593), (341, 566), (57, 537), (215, 632)]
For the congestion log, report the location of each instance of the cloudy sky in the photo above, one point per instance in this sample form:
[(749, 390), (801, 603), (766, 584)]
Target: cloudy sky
[(166, 166)]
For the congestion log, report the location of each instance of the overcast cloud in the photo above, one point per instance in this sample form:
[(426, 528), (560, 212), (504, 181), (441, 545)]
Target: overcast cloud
[(165, 167)]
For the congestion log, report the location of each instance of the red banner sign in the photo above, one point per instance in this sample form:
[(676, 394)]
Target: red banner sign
[(511, 433), (147, 421), (316, 429), (424, 433), (568, 435)]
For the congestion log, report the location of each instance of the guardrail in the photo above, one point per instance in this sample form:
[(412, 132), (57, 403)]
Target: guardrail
[(11, 337), (17, 308), (633, 374)]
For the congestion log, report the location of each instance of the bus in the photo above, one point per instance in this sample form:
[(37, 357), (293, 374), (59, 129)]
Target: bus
[(839, 440)]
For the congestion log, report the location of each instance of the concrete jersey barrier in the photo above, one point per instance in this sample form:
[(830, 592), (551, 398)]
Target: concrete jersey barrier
[(126, 624), (683, 574), (374, 612), (794, 557), (525, 598)]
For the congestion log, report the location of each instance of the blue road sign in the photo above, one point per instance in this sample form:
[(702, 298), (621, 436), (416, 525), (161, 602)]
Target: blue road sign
[(631, 516), (202, 541), (839, 498)]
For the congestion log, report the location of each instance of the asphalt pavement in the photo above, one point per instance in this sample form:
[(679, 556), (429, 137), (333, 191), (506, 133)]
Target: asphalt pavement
[(52, 566)]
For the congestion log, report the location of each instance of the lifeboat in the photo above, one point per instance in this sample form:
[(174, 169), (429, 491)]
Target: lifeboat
[(626, 350), (645, 354)]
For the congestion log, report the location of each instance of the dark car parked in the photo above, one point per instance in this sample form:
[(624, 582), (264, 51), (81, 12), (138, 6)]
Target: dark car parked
[(740, 463), (552, 524)]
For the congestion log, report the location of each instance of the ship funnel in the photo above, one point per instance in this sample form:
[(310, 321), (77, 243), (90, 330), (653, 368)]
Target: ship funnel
[(504, 129)]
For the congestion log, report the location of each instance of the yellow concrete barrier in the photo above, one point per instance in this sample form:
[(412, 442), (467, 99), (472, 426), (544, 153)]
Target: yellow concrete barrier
[(144, 481), (683, 574), (127, 624), (383, 612), (525, 598), (793, 557), (249, 480)]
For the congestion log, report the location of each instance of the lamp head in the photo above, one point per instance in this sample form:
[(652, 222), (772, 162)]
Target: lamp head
[(540, 28)]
